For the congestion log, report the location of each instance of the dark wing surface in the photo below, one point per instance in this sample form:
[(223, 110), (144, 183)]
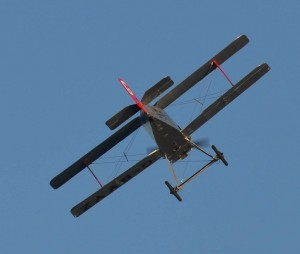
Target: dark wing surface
[(122, 116), (115, 184), (94, 154), (203, 71), (226, 98), (157, 90)]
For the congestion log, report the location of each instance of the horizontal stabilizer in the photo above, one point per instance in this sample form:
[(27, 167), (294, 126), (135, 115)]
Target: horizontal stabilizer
[(122, 116), (202, 72), (115, 183), (149, 95), (94, 154), (157, 90), (226, 98)]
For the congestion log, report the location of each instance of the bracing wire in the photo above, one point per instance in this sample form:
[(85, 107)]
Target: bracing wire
[(124, 157), (173, 173), (200, 100)]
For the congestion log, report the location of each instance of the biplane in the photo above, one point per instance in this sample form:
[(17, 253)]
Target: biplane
[(173, 143)]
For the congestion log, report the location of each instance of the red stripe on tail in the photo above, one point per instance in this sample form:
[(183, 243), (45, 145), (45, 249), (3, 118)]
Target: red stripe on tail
[(132, 95)]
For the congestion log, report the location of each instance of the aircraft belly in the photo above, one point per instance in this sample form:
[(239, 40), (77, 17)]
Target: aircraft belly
[(171, 142), (148, 128)]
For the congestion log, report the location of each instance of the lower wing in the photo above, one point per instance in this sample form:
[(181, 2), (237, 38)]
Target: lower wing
[(116, 183)]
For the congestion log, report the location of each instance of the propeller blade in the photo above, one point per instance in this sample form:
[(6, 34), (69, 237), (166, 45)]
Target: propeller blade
[(151, 149), (202, 142)]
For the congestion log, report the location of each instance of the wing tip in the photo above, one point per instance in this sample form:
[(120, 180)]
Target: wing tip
[(244, 38), (267, 66), (54, 184), (264, 68), (75, 213)]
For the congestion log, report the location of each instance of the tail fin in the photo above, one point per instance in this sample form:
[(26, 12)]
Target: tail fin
[(132, 95)]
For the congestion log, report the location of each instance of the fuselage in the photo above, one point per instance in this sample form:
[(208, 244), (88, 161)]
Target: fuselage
[(166, 133)]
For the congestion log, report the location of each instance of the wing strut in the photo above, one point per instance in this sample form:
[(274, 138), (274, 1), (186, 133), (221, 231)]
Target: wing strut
[(215, 62), (93, 174)]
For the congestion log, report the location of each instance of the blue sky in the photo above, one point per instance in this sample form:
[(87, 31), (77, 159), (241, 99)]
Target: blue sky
[(59, 64)]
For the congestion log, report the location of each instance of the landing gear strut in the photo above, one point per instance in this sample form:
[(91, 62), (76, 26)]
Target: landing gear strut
[(219, 156)]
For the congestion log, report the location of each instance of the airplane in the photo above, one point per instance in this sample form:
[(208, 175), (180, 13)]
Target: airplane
[(173, 143)]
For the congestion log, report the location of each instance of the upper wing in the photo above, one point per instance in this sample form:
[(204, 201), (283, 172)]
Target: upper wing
[(225, 99), (115, 184), (203, 71), (94, 154)]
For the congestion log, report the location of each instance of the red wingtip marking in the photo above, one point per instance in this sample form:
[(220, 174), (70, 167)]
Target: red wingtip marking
[(132, 95), (225, 75)]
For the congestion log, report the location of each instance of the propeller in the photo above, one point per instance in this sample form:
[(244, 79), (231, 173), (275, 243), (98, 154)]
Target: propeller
[(202, 142), (151, 149)]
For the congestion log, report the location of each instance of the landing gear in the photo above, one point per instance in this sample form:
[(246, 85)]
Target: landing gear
[(173, 191), (219, 156)]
